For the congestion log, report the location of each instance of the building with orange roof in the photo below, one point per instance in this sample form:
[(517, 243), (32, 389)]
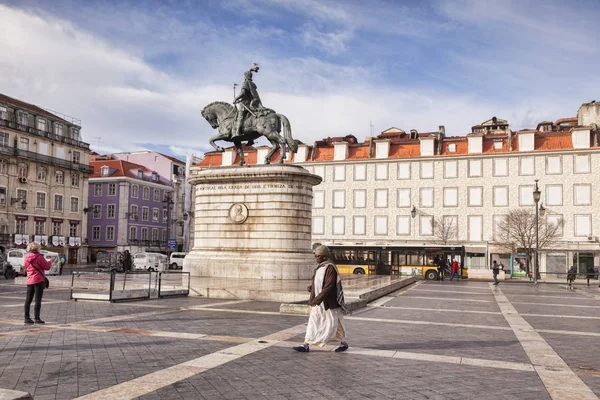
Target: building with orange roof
[(127, 207), (395, 188), (43, 179)]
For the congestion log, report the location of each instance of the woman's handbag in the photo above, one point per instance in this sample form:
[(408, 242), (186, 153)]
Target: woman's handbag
[(46, 281)]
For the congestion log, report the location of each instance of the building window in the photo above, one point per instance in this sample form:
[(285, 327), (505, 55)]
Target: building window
[(23, 170), (95, 232), (475, 198), (451, 197), (554, 195), (381, 172), (134, 191), (338, 223), (76, 157), (104, 171), (526, 166), (60, 177), (404, 170), (40, 227), (555, 220), (165, 215), (97, 211), (22, 119), (359, 225), (57, 228), (318, 226), (451, 169), (320, 171), (145, 213), (553, 165), (20, 227), (475, 225), (339, 199), (133, 212), (403, 225), (154, 177), (426, 197), (110, 211), (112, 189), (339, 173), (475, 168), (40, 200), (500, 194), (156, 195), (74, 180), (526, 195), (110, 233), (155, 214), (73, 229), (427, 170), (381, 225), (75, 133), (144, 233), (74, 204), (360, 172), (146, 193), (583, 225), (381, 198), (498, 144), (58, 202), (132, 232), (2, 196), (140, 174), (4, 139), (318, 199), (22, 195), (154, 234), (403, 199), (360, 198), (97, 190), (426, 225), (500, 167), (3, 113), (164, 231), (41, 174), (58, 129), (3, 167), (581, 164), (582, 195), (452, 148), (24, 144)]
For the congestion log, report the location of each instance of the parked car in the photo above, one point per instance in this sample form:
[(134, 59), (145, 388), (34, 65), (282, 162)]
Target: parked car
[(109, 260), (176, 261), (150, 262), (16, 257)]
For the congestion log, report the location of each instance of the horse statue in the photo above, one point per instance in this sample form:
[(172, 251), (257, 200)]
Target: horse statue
[(264, 122)]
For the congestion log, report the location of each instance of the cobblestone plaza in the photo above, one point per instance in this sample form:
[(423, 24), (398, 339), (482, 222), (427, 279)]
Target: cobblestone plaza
[(432, 340)]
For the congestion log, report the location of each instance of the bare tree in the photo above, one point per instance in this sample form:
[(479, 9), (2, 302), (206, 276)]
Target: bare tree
[(445, 229), (516, 232)]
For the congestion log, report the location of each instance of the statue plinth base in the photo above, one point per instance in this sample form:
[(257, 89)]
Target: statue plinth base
[(252, 222)]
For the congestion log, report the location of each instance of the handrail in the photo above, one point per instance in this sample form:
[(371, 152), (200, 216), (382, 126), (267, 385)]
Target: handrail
[(30, 155)]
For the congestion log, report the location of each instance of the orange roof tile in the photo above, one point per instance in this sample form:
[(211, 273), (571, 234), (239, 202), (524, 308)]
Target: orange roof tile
[(488, 146), (553, 142), (404, 150), (358, 152), (323, 154)]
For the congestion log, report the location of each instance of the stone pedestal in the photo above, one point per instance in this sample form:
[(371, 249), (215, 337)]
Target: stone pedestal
[(252, 222)]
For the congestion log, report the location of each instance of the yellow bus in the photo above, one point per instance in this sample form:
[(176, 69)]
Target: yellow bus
[(396, 260)]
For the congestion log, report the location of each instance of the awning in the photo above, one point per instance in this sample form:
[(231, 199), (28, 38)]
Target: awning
[(475, 249)]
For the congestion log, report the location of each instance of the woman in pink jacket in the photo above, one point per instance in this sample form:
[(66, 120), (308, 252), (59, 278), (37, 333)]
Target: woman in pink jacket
[(35, 265)]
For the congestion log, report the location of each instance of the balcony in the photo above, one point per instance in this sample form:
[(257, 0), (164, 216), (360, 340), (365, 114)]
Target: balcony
[(148, 243), (48, 135), (58, 162)]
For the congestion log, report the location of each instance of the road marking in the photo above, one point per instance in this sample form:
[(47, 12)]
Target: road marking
[(442, 310), (165, 377), (559, 316), (550, 297), (45, 303), (449, 298), (555, 304), (411, 322), (560, 381), (562, 332), (453, 291)]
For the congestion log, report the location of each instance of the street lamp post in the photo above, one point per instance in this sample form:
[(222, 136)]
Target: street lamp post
[(536, 199), (168, 203), (413, 214)]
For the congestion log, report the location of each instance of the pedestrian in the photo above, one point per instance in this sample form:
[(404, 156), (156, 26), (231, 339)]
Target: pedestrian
[(455, 268), (571, 275), (495, 271), (35, 265), (326, 320), (441, 265), (127, 261)]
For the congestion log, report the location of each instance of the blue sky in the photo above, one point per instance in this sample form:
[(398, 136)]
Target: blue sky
[(137, 73)]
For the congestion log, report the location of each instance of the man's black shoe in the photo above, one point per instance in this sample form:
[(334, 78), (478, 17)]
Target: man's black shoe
[(302, 349), (342, 347), (39, 321), (28, 321)]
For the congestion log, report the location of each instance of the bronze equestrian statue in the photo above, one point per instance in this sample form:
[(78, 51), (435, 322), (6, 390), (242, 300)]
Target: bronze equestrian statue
[(249, 121)]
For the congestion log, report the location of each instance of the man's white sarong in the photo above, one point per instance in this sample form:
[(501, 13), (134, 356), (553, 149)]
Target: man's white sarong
[(324, 325)]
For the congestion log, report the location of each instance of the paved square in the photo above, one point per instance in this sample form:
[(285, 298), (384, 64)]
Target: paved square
[(432, 340)]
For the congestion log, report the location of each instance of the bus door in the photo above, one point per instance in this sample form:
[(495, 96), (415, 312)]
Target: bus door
[(383, 263)]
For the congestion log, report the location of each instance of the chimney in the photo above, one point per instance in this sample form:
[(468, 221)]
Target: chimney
[(442, 129)]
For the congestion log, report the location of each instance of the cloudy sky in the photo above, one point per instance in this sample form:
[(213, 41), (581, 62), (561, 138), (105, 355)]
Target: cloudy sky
[(138, 73)]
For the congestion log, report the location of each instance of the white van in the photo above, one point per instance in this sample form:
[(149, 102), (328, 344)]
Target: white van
[(16, 257), (176, 261), (150, 262)]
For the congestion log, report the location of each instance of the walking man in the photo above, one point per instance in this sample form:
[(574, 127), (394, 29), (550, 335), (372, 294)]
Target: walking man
[(326, 321), (455, 268), (495, 271)]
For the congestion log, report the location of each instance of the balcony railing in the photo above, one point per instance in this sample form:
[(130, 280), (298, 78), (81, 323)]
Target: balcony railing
[(59, 162), (40, 133), (149, 243)]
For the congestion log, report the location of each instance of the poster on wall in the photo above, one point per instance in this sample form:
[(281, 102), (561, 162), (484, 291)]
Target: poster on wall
[(54, 241), (44, 240), (519, 265), (71, 241), (37, 239), (18, 239), (77, 241), (25, 239), (61, 241)]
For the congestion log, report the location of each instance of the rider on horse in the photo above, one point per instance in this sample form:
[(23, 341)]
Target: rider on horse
[(247, 101)]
